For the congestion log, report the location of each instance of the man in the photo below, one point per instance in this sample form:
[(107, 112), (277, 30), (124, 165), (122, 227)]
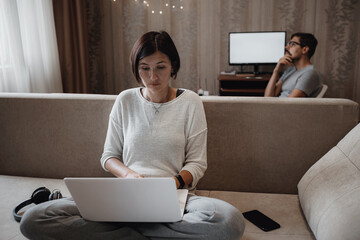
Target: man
[(300, 78)]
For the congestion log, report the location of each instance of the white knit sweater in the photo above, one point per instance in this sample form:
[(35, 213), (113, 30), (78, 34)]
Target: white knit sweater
[(158, 140)]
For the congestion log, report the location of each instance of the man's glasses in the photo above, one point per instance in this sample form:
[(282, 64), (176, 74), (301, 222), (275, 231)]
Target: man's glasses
[(293, 44)]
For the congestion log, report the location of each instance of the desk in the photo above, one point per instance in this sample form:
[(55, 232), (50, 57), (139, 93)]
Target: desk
[(243, 84)]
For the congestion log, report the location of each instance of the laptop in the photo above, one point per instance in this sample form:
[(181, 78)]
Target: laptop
[(128, 200)]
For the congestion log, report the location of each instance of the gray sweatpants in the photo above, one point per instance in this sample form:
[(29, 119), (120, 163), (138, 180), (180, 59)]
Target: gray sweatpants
[(204, 218)]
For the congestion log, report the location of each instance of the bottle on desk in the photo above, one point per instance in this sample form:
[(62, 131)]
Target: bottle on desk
[(200, 92)]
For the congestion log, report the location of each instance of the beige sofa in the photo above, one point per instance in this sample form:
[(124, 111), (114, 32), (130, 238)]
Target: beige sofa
[(259, 149)]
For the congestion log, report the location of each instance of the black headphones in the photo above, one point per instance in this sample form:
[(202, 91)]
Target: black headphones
[(40, 195)]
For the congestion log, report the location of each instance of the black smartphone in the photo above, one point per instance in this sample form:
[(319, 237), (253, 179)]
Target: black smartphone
[(261, 220)]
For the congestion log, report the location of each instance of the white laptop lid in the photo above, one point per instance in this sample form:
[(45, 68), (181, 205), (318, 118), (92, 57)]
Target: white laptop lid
[(128, 200)]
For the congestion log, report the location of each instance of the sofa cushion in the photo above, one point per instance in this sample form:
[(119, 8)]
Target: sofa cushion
[(329, 192), (16, 190), (283, 208)]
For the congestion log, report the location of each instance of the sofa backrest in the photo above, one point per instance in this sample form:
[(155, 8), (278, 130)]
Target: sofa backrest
[(267, 144), (53, 135), (254, 144)]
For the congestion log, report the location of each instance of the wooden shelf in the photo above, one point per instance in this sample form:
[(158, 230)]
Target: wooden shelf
[(243, 90), (243, 84)]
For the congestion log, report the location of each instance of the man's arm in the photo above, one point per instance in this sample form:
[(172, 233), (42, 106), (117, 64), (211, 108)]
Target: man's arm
[(273, 87), (297, 93)]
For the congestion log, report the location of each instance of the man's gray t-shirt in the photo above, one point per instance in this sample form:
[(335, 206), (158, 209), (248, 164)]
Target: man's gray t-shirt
[(306, 79)]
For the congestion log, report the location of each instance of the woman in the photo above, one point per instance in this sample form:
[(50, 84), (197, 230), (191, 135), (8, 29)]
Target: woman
[(154, 131)]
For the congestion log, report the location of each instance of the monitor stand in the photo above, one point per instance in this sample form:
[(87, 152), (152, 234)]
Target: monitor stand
[(254, 73), (256, 69)]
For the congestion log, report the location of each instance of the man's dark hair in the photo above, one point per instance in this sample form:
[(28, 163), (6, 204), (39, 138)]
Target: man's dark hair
[(307, 39), (148, 44)]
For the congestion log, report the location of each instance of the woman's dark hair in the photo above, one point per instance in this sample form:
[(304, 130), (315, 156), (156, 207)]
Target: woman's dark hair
[(307, 39), (147, 45)]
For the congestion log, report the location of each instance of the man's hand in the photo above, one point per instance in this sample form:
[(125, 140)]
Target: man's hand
[(283, 62)]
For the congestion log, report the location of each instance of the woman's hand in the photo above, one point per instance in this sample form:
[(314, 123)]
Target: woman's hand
[(187, 178), (133, 174), (116, 167)]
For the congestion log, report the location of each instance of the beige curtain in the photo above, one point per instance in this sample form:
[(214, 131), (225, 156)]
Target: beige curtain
[(72, 36), (200, 31)]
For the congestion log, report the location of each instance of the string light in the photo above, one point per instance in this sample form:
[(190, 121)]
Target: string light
[(175, 6)]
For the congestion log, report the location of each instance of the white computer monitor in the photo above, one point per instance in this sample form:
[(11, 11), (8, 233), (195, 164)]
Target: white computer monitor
[(256, 47)]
